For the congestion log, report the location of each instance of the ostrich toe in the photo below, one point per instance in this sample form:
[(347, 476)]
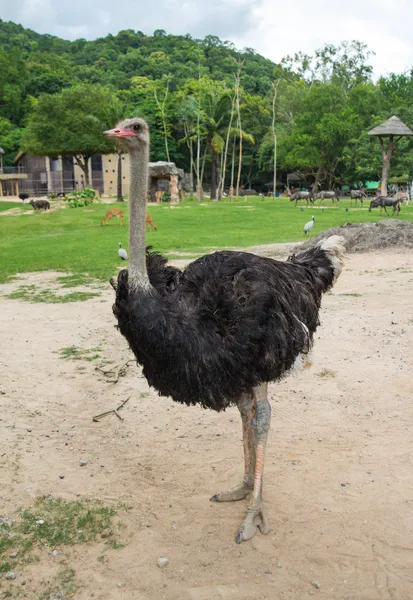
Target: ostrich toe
[(239, 492), (255, 519)]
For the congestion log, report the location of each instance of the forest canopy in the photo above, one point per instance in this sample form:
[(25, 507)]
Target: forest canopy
[(212, 109)]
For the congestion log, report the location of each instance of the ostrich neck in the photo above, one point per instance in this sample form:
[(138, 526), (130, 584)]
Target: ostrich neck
[(139, 159)]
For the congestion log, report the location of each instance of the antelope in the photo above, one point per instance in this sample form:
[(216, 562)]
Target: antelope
[(113, 212), (383, 202), (150, 222), (297, 196), (116, 212), (357, 195), (327, 196)]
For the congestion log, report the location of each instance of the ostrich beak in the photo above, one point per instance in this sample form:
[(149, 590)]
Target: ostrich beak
[(118, 133)]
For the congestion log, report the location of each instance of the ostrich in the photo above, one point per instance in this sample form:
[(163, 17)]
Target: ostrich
[(122, 253), (216, 333), (309, 225)]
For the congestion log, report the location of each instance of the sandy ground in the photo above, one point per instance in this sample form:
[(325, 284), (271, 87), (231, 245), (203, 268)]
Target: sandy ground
[(338, 485)]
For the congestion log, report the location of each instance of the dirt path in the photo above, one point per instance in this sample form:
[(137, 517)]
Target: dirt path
[(338, 485)]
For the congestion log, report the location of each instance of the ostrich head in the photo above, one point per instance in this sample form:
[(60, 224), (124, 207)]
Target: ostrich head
[(130, 133)]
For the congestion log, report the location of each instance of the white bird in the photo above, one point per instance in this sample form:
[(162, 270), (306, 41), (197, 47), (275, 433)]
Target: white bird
[(122, 253), (308, 226)]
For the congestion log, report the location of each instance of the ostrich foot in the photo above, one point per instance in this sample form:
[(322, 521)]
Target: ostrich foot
[(256, 519), (239, 492)]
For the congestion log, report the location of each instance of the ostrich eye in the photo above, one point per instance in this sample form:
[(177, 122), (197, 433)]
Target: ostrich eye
[(137, 128)]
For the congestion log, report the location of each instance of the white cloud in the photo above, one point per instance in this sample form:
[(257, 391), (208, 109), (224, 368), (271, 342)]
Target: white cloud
[(285, 28), (273, 27)]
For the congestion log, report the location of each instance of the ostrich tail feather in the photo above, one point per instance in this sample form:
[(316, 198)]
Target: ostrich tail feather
[(324, 260), (334, 248)]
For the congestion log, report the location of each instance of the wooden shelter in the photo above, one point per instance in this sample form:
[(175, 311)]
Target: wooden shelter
[(394, 129)]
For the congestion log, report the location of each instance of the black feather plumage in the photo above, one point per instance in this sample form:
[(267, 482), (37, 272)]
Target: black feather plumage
[(228, 322)]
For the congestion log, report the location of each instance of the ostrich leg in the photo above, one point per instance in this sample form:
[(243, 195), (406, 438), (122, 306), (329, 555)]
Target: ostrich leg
[(256, 416), (256, 516), (245, 405)]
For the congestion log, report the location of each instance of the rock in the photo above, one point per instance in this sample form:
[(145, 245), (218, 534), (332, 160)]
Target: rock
[(61, 476), (82, 463), (106, 534), (278, 565), (29, 429), (40, 522), (121, 583), (162, 562), (315, 583), (14, 554), (10, 575)]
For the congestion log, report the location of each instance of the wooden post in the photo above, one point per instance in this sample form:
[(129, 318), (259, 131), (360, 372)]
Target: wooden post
[(1, 189), (50, 188), (173, 189), (61, 172), (386, 153)]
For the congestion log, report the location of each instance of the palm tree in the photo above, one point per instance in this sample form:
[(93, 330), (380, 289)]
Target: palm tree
[(216, 108), (218, 119)]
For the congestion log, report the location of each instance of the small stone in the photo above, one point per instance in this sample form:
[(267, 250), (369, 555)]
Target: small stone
[(29, 429), (343, 484), (121, 583), (54, 553), (40, 522), (10, 575), (61, 476), (82, 463), (162, 562), (106, 534), (315, 583), (79, 531), (278, 565), (14, 554)]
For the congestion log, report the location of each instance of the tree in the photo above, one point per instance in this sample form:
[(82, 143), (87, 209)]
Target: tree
[(345, 65), (274, 135), (161, 104), (9, 140), (320, 133), (70, 123)]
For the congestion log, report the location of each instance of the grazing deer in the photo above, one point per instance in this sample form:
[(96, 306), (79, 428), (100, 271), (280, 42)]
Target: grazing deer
[(150, 222), (116, 212), (113, 212)]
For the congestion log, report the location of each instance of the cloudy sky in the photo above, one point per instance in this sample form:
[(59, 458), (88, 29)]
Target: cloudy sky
[(272, 27)]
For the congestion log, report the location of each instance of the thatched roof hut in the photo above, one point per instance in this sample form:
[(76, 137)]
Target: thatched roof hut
[(394, 129), (393, 126)]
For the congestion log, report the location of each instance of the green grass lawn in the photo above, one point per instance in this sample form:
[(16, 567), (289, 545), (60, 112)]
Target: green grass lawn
[(8, 205), (73, 240)]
